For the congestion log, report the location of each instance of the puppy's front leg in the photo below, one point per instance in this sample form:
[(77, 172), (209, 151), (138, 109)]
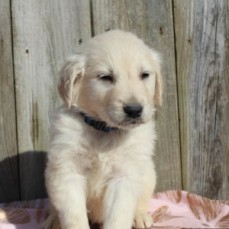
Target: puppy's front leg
[(120, 204), (67, 193)]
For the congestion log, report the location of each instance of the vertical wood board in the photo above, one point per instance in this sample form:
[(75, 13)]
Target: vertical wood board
[(45, 33), (202, 32), (9, 179), (153, 22)]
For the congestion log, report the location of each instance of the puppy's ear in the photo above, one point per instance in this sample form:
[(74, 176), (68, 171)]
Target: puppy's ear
[(70, 77), (158, 83)]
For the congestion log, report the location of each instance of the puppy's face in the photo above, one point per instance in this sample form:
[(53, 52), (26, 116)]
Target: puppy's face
[(115, 78)]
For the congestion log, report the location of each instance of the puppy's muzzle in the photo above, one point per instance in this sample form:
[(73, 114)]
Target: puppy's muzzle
[(133, 111)]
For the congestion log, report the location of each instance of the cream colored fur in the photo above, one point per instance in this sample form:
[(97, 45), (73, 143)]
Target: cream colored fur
[(106, 177)]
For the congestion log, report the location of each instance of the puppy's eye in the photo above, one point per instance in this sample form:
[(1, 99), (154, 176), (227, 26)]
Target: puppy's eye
[(108, 78), (145, 75)]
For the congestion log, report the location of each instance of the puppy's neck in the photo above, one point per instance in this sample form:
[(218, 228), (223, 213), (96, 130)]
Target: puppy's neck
[(98, 125)]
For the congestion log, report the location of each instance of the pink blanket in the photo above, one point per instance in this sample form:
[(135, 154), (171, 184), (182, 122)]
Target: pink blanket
[(171, 209)]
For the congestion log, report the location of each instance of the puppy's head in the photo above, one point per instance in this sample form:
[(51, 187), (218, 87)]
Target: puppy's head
[(115, 78)]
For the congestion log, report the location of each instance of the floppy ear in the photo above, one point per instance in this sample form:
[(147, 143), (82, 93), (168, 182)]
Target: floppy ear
[(70, 77), (158, 83)]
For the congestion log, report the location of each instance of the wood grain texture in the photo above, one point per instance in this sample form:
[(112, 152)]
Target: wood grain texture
[(202, 41), (152, 21), (45, 33), (9, 179)]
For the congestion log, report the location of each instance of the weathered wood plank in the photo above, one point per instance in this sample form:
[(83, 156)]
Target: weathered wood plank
[(45, 33), (202, 41), (152, 21), (9, 179)]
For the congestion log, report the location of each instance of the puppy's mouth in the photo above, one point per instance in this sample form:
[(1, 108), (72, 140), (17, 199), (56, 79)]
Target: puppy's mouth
[(124, 123), (131, 122)]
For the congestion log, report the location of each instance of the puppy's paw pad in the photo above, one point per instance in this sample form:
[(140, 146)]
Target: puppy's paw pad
[(142, 221)]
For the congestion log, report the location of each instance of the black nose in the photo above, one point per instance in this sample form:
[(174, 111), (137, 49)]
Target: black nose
[(133, 110)]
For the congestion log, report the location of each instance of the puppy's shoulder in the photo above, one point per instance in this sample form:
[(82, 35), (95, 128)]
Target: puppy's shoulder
[(66, 122), (67, 117)]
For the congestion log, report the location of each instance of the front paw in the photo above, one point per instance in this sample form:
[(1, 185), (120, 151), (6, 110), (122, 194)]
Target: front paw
[(143, 220)]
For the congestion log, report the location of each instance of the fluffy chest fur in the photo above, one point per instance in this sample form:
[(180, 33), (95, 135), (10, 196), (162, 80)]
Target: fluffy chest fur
[(97, 155)]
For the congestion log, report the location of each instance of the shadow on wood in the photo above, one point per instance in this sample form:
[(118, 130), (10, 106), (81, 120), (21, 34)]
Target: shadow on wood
[(26, 178)]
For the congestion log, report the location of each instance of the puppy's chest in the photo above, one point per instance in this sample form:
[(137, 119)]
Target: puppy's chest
[(104, 155), (109, 159), (103, 165), (104, 168)]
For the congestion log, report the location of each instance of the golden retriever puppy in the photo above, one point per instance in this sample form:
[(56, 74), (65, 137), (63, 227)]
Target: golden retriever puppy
[(102, 140)]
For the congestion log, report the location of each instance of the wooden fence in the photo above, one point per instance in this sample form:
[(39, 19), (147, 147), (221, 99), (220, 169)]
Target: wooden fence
[(193, 123)]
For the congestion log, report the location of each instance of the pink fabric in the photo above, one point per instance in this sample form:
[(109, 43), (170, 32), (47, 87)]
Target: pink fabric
[(171, 209), (23, 215), (181, 209)]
